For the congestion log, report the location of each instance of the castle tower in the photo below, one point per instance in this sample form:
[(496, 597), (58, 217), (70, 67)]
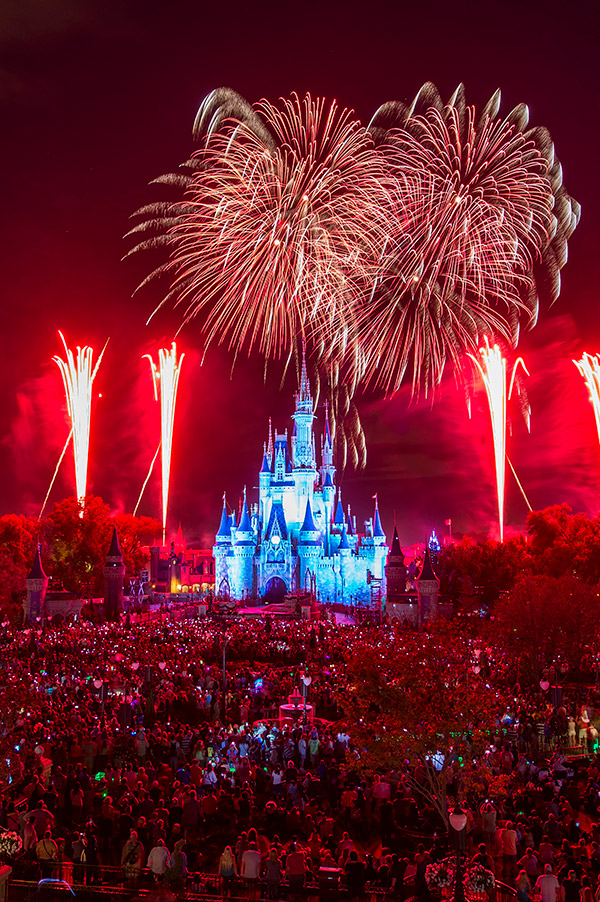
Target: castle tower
[(380, 543), (243, 553), (114, 574), (327, 451), (36, 585), (395, 570), (309, 544), (428, 587), (302, 440), (222, 552)]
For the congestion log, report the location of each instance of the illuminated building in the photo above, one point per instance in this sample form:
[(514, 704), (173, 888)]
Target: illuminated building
[(298, 537)]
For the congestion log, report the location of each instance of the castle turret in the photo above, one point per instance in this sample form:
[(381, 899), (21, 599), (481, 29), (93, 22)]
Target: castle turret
[(428, 587), (243, 551), (36, 585), (395, 570), (380, 543), (339, 519), (114, 574), (309, 544), (327, 451), (223, 553)]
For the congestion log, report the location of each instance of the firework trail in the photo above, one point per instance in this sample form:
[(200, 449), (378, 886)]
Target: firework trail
[(78, 376), (165, 379), (480, 230), (492, 369), (589, 367), (146, 480), (53, 480)]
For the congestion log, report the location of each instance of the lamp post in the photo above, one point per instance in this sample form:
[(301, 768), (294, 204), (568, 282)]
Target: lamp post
[(306, 681), (458, 822)]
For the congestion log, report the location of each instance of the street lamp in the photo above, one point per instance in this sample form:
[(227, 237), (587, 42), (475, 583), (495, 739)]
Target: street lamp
[(458, 822)]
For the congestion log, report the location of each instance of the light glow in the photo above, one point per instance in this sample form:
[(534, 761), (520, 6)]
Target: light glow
[(78, 376), (493, 373), (589, 367), (165, 379)]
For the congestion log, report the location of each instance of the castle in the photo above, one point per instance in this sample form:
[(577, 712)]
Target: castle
[(298, 537)]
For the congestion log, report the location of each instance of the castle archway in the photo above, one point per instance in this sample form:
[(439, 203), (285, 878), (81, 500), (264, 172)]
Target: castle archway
[(275, 590)]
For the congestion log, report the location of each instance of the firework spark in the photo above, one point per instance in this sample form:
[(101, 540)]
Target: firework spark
[(589, 367), (279, 232), (165, 379), (146, 480), (78, 376), (480, 229), (492, 369)]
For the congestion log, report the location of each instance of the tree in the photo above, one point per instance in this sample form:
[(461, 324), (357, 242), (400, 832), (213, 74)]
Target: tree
[(415, 697), (477, 573), (78, 538), (134, 534), (562, 542), (547, 620), (18, 538)]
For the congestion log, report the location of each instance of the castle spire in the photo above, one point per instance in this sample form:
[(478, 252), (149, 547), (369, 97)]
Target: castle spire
[(304, 393), (270, 444)]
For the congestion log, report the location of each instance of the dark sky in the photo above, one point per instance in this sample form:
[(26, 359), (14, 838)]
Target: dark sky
[(98, 98)]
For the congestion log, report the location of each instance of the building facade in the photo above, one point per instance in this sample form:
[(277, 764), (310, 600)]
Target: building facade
[(298, 536)]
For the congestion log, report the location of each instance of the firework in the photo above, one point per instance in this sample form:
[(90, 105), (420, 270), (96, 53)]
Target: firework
[(480, 229), (78, 378), (493, 373), (589, 367), (165, 379), (280, 228), (279, 231)]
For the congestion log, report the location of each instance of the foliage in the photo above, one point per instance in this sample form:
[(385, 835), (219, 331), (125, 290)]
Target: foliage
[(439, 875), (18, 537), (562, 542), (477, 573), (78, 538), (547, 619)]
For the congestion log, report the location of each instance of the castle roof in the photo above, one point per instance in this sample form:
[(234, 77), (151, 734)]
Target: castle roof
[(339, 512), (265, 464), (309, 523), (245, 525), (37, 571), (277, 516), (377, 528), (327, 482), (344, 541), (115, 548), (223, 531), (396, 550), (349, 527), (427, 571)]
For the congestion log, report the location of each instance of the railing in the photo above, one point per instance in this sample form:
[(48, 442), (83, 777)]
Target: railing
[(89, 883)]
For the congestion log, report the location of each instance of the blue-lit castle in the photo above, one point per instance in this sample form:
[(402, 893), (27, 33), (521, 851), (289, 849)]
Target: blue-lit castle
[(298, 537)]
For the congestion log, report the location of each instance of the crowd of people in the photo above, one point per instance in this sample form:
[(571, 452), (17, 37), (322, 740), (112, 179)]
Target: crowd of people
[(129, 753)]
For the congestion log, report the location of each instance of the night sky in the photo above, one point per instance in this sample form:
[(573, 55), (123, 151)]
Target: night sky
[(98, 98)]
